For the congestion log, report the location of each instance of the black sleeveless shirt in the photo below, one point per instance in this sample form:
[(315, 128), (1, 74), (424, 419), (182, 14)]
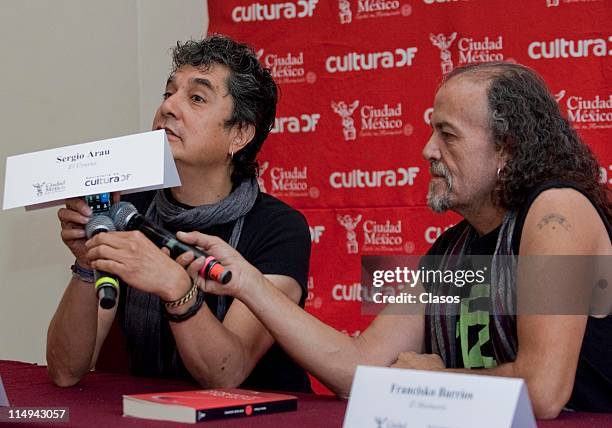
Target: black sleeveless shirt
[(593, 382)]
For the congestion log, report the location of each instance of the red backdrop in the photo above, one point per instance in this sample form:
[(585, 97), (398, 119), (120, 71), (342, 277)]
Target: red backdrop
[(357, 80)]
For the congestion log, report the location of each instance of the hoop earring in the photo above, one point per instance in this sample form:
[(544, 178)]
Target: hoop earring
[(498, 170), (232, 152)]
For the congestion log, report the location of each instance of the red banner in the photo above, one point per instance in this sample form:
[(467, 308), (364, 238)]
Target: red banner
[(357, 80)]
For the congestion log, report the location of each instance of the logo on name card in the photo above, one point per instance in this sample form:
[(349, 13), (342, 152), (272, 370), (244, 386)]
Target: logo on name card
[(106, 179), (44, 188), (383, 422), (39, 187)]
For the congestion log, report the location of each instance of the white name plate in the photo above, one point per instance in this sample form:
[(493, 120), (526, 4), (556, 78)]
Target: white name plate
[(399, 398), (130, 164)]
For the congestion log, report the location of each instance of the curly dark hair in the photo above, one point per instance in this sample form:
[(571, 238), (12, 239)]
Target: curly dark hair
[(527, 125), (250, 85)]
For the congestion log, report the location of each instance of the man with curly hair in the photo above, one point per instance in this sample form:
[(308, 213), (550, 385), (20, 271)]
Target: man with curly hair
[(503, 157), (217, 109)]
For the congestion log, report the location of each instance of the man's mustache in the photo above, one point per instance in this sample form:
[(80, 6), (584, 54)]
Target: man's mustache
[(438, 169)]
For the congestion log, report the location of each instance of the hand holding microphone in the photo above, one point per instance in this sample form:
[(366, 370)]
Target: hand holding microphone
[(245, 279), (73, 219), (106, 284), (126, 217)]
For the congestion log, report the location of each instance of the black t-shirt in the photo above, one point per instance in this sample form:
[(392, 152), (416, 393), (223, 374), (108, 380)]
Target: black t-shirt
[(276, 240), (593, 383)]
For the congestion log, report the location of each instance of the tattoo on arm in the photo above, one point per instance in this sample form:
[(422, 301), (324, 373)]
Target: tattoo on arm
[(554, 219)]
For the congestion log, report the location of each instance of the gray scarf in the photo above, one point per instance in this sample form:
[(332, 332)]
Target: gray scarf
[(441, 324), (143, 313), (233, 207)]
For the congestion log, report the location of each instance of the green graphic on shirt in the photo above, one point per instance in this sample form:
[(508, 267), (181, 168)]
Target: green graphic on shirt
[(473, 329)]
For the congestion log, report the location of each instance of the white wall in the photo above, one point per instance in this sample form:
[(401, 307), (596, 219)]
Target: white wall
[(160, 24), (72, 71)]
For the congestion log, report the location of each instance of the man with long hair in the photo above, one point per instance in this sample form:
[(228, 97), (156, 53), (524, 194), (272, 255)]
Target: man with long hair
[(504, 158)]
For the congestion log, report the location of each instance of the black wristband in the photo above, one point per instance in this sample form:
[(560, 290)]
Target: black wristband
[(84, 274), (190, 312)]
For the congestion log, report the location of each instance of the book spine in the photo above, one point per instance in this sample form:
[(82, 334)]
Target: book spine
[(246, 410)]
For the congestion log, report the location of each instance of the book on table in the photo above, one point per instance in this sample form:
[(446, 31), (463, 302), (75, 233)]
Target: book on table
[(205, 404)]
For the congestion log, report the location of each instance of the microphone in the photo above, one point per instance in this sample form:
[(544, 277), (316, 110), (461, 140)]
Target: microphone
[(127, 217), (106, 284)]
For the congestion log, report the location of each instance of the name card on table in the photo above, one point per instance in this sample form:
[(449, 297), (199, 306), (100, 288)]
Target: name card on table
[(130, 164), (400, 398)]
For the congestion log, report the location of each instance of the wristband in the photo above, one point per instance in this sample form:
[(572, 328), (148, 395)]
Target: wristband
[(190, 312), (82, 273), (173, 304)]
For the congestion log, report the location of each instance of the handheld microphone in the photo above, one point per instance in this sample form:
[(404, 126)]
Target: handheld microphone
[(106, 284), (127, 217)]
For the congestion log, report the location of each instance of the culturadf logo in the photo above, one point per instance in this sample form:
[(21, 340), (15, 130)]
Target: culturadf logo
[(303, 123), (274, 11), (358, 178), (564, 48), (360, 61)]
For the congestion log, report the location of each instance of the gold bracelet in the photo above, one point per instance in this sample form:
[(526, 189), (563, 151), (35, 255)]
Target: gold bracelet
[(173, 304)]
